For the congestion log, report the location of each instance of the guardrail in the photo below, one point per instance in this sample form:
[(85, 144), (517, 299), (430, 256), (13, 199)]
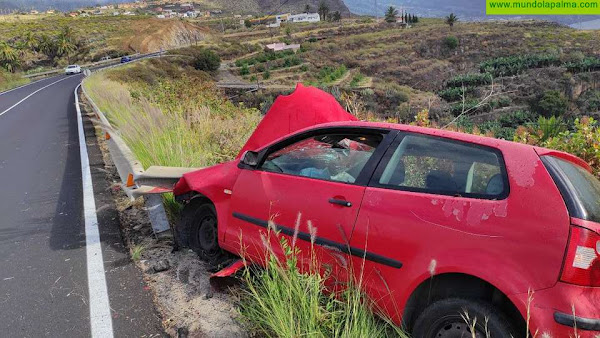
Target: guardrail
[(135, 181)]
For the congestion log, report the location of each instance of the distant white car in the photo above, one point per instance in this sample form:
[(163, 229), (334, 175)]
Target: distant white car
[(72, 69)]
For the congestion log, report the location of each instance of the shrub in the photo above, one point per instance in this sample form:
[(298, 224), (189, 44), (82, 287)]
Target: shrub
[(265, 303), (266, 75), (455, 93), (450, 42), (244, 70), (472, 79), (589, 101), (516, 64), (206, 60), (550, 103)]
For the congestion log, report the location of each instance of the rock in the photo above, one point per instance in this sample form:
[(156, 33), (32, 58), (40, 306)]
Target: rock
[(182, 332), (161, 265)]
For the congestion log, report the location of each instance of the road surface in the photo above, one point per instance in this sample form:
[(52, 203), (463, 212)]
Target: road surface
[(45, 256)]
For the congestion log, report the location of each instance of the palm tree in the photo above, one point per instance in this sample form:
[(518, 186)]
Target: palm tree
[(30, 41), (67, 33), (47, 46), (323, 10), (336, 16), (451, 19), (64, 46), (9, 57), (391, 14)]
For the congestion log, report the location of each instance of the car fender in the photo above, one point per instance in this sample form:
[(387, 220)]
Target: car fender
[(215, 183), (512, 284)]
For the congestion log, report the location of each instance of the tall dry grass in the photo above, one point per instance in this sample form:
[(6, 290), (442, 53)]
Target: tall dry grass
[(171, 118), (287, 299)]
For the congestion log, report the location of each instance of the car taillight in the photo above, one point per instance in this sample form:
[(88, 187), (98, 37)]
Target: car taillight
[(582, 264)]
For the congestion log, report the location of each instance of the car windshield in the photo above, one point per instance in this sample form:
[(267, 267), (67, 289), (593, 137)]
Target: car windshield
[(72, 66), (584, 187)]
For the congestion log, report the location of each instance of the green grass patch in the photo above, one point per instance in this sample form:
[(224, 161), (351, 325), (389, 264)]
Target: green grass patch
[(284, 300), (11, 80)]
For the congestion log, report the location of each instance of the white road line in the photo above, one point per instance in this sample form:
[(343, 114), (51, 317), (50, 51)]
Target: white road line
[(30, 95), (100, 318)]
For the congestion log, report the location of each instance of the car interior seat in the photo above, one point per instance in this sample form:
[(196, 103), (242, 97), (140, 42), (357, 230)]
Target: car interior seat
[(439, 180)]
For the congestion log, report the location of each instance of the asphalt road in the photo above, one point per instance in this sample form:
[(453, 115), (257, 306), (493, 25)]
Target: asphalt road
[(43, 260)]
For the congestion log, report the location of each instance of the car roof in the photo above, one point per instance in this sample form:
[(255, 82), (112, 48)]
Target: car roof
[(72, 66), (470, 138)]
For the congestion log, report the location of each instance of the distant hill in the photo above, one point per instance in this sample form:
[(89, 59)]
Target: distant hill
[(466, 10), (237, 6)]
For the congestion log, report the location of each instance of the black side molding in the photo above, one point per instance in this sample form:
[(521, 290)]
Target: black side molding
[(324, 242), (581, 323)]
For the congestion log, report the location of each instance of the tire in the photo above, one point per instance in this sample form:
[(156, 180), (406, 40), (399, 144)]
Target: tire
[(197, 229), (444, 319)]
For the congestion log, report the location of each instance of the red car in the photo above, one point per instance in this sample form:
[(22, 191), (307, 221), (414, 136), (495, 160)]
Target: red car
[(444, 222)]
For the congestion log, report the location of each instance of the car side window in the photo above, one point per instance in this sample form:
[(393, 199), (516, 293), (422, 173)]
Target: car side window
[(332, 157), (441, 166)]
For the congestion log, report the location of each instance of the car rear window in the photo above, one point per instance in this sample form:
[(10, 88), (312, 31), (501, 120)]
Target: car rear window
[(580, 189), (441, 166)]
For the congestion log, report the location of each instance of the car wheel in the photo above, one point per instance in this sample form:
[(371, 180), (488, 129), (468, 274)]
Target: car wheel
[(447, 319), (198, 230)]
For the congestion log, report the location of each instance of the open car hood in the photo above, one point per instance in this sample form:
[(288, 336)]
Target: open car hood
[(305, 107)]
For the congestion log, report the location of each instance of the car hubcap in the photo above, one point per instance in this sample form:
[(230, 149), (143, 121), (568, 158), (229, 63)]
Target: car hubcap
[(457, 329), (207, 234)]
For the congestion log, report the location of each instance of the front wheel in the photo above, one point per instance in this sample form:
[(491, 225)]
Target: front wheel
[(198, 230), (461, 318)]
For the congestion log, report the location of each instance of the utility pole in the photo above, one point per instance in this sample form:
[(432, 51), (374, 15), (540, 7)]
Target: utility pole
[(376, 12)]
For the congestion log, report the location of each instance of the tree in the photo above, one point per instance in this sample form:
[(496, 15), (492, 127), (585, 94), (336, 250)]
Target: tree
[(307, 8), (9, 57), (416, 19), (288, 31), (391, 14), (336, 16), (247, 23), (47, 46), (64, 47), (323, 10), (451, 19), (207, 60), (30, 41)]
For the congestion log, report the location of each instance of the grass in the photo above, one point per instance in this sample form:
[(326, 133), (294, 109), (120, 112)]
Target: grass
[(11, 80), (316, 311), (136, 252), (171, 115)]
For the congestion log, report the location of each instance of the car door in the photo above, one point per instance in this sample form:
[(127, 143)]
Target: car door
[(309, 188), (427, 196)]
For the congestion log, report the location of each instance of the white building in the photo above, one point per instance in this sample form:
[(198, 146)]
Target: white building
[(304, 17), (276, 47)]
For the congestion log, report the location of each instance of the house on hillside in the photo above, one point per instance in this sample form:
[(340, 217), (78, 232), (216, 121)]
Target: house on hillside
[(279, 46), (305, 17)]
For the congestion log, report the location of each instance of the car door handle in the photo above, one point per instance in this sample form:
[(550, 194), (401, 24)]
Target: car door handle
[(340, 202)]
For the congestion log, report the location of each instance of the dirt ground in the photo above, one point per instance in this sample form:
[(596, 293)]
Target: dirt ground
[(179, 281)]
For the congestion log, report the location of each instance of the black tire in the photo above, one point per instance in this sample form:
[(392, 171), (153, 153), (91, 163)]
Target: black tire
[(197, 229), (444, 319)]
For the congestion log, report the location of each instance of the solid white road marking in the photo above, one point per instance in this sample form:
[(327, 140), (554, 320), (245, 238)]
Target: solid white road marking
[(100, 318), (30, 95)]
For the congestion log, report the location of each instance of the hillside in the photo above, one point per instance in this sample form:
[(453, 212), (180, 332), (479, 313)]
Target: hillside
[(465, 9), (228, 6), (93, 37)]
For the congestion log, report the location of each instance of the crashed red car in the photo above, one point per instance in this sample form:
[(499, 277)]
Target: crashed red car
[(445, 222)]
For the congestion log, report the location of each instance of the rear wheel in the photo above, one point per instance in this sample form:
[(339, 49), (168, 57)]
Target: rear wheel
[(461, 318)]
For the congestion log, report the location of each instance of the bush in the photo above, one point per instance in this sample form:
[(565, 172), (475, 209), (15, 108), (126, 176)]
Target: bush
[(467, 80), (513, 65), (589, 101), (207, 60), (266, 75), (551, 103), (450, 42), (265, 303), (244, 70)]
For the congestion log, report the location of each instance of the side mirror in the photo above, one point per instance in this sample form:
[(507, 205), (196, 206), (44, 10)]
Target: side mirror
[(250, 158)]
